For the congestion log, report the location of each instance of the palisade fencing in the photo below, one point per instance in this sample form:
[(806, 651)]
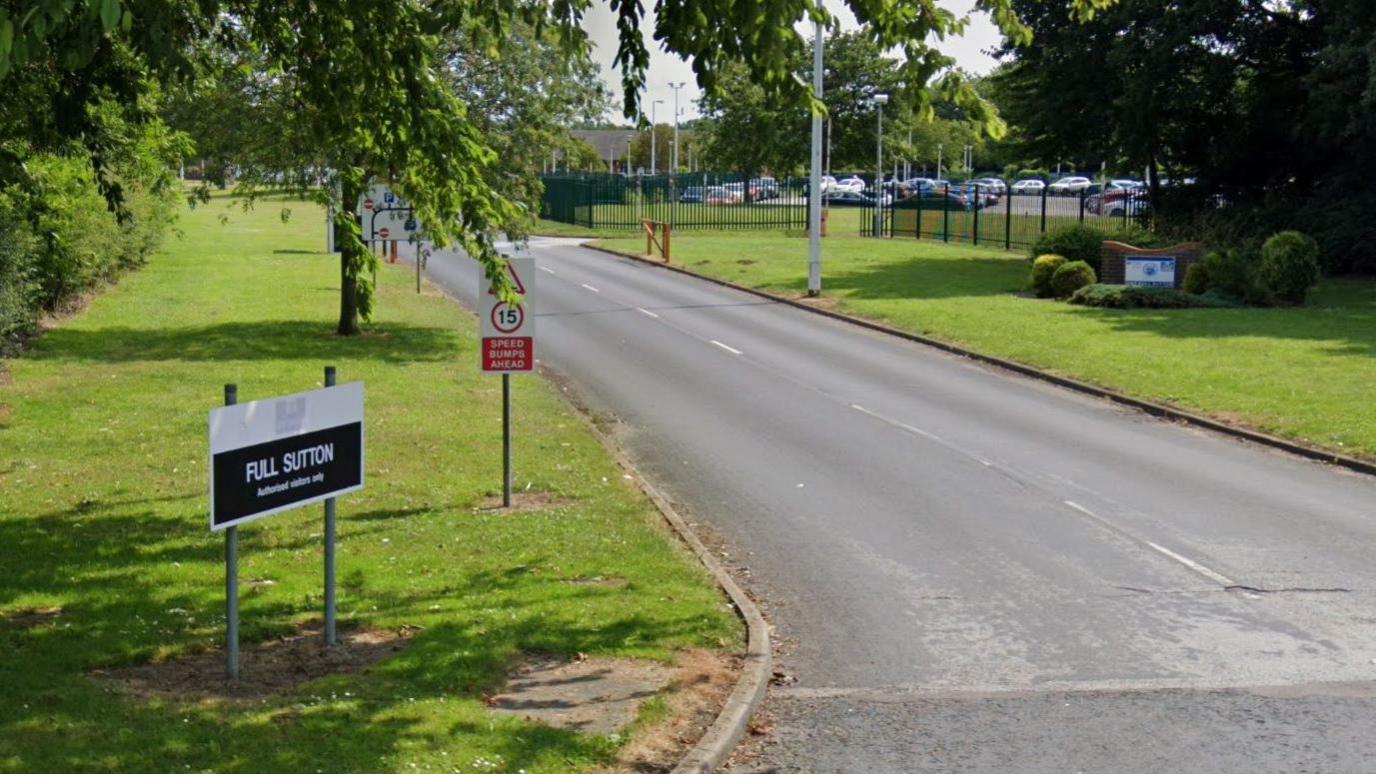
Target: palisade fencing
[(697, 201), (980, 215)]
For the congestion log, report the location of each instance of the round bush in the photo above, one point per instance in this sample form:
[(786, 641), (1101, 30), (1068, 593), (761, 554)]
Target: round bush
[(1289, 266), (1042, 269), (1196, 279), (1077, 243), (1070, 277)]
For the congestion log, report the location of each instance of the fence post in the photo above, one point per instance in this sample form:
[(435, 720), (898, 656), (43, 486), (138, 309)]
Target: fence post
[(946, 214), (1008, 219), (975, 203), (1044, 194), (1082, 206)]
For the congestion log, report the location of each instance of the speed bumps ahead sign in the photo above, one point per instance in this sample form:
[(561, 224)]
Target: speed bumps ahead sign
[(271, 455), (509, 329)]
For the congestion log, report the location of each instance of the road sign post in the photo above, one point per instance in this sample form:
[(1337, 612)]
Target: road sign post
[(273, 455), (508, 343), (231, 578)]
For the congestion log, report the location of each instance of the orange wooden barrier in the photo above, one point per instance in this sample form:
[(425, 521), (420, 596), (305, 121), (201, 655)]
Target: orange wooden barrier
[(653, 227)]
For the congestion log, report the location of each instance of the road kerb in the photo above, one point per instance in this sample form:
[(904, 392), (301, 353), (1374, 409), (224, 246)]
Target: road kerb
[(1150, 407)]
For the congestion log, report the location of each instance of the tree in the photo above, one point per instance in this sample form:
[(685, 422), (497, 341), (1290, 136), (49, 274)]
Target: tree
[(856, 69), (369, 107)]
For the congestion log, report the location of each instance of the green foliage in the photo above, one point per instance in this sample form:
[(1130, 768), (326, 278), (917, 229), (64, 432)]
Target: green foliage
[(1196, 279), (1125, 297), (1076, 242), (1232, 272), (1043, 268), (1289, 266), (1070, 277)]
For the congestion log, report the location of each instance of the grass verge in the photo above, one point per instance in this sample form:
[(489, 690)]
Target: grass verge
[(1302, 373), (103, 527)]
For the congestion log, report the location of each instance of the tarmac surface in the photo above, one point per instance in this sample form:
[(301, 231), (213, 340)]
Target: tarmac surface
[(972, 571)]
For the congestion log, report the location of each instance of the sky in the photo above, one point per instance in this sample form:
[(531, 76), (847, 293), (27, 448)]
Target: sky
[(968, 51)]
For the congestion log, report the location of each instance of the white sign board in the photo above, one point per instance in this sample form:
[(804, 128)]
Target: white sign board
[(271, 455), (387, 217), (508, 330), (1151, 271)]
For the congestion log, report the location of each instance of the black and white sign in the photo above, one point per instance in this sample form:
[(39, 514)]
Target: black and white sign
[(271, 455)]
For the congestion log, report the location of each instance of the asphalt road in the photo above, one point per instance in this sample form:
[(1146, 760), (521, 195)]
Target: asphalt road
[(976, 572)]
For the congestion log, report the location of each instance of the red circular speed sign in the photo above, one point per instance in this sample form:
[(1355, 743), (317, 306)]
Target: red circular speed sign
[(507, 318)]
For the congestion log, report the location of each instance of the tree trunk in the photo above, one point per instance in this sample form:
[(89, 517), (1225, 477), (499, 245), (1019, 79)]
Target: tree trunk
[(350, 261)]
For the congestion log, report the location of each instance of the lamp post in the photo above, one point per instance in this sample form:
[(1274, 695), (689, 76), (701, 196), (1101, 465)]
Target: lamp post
[(654, 167), (673, 159), (939, 147), (628, 157), (814, 191), (879, 100)]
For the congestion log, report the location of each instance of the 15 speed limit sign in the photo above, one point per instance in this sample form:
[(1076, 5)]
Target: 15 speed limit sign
[(509, 329)]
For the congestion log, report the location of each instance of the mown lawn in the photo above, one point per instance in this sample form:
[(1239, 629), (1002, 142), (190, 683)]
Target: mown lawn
[(103, 524), (1303, 373)]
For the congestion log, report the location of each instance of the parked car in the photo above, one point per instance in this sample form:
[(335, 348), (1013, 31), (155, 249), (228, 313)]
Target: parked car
[(845, 198), (720, 194), (993, 184), (1097, 194), (851, 184), (1030, 185), (693, 194), (933, 198), (762, 188), (1127, 183), (987, 195), (1068, 185)]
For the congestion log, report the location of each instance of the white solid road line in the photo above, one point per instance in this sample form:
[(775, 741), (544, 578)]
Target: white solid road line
[(590, 287), (1216, 577), (647, 312), (547, 270), (732, 350)]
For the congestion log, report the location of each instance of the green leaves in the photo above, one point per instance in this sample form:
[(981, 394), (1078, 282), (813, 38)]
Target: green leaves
[(109, 14)]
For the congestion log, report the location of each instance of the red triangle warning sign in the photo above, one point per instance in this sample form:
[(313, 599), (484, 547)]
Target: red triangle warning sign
[(515, 280)]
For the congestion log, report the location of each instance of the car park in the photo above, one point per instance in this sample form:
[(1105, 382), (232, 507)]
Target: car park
[(991, 184), (762, 188), (693, 194), (1030, 185), (1069, 185), (851, 184), (720, 194), (945, 197)]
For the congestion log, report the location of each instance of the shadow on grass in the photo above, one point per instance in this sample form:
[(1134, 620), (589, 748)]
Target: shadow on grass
[(266, 340), (109, 564), (922, 278)]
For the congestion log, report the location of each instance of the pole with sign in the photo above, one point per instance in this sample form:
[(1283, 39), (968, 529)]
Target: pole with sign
[(508, 333), (272, 455)]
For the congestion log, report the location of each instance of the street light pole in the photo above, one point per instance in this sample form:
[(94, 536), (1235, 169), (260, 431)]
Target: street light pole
[(673, 167), (814, 191), (654, 167), (879, 101), (939, 147)]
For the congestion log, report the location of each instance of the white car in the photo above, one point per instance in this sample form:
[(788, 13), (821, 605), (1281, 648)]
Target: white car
[(1126, 183), (851, 184), (1029, 186), (991, 185), (1070, 185)]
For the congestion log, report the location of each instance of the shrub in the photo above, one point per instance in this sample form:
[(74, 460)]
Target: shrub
[(1196, 279), (1070, 277), (1289, 266), (1077, 243), (1232, 273), (1125, 297), (1042, 270)]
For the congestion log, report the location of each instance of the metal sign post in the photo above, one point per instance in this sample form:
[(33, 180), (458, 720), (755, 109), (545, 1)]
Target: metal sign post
[(329, 545), (508, 334), (232, 578)]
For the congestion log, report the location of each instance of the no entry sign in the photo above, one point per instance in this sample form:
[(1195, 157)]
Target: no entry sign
[(271, 455), (509, 329)]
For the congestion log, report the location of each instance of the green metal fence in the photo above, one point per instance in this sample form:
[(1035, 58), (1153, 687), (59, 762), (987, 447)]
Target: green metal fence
[(689, 201), (983, 216)]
